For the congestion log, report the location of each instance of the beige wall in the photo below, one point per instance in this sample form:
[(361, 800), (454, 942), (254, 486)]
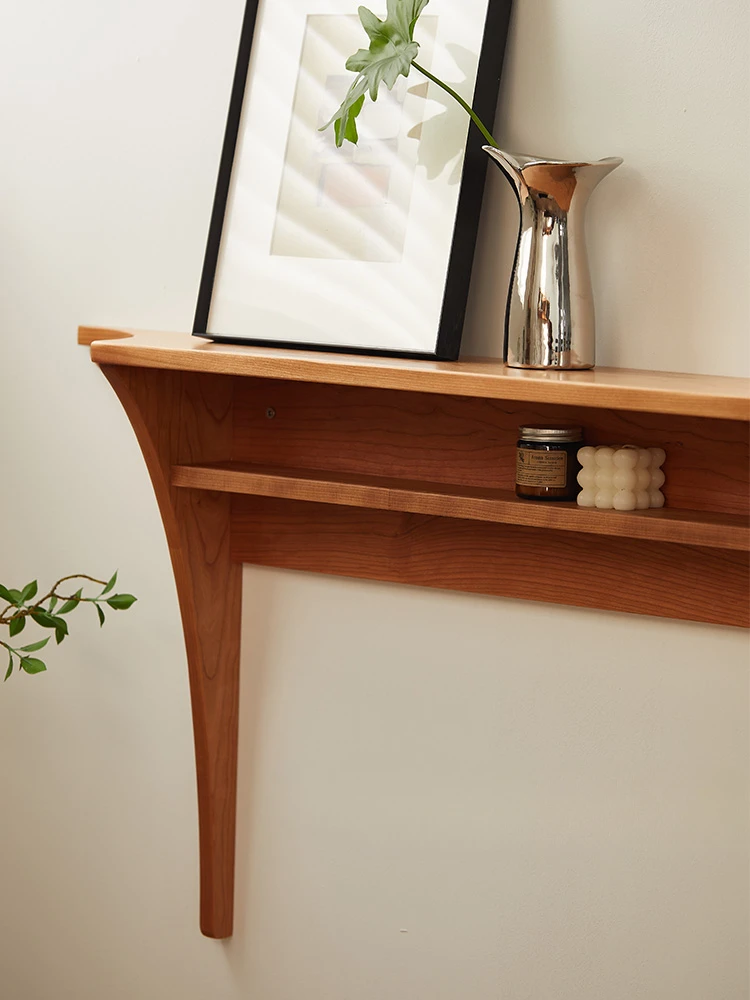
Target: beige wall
[(441, 796)]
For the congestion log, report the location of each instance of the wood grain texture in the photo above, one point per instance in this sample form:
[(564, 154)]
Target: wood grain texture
[(559, 567), (178, 417), (615, 388), (711, 530), (472, 442)]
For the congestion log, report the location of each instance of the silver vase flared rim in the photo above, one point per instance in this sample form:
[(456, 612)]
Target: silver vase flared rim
[(527, 160)]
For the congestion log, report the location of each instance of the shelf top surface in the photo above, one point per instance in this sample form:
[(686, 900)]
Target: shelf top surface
[(716, 396)]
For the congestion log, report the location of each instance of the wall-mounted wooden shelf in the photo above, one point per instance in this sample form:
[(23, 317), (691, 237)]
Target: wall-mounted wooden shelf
[(389, 469)]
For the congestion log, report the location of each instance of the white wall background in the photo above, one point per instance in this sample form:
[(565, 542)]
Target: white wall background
[(431, 807)]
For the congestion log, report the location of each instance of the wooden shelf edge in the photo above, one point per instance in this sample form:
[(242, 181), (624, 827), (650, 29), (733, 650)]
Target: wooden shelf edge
[(87, 335), (682, 527), (714, 397)]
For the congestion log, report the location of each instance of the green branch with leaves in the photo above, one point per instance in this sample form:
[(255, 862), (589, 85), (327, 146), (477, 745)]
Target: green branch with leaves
[(49, 612), (392, 53)]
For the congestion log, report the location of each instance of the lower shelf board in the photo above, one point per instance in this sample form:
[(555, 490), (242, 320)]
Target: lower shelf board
[(682, 527)]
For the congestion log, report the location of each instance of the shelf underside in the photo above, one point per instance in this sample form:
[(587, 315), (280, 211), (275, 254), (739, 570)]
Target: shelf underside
[(683, 527), (608, 573)]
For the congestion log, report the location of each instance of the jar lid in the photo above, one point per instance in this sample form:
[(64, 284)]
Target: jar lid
[(538, 432)]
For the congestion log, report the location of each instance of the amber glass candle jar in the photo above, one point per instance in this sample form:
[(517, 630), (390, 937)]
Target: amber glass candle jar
[(546, 462)]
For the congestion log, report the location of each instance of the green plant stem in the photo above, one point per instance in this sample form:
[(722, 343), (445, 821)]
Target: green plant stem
[(456, 97), (38, 605)]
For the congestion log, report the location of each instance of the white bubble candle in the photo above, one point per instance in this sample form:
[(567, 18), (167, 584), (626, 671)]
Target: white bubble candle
[(626, 478)]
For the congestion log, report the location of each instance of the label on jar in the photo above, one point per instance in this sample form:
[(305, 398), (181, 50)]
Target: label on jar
[(541, 468)]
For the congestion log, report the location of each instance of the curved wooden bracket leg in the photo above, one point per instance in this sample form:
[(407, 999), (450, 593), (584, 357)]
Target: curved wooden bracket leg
[(181, 418)]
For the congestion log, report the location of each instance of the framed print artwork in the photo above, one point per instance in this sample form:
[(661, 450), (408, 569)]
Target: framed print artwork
[(365, 248)]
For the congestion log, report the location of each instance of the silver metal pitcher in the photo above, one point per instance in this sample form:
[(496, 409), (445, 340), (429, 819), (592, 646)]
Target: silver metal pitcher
[(549, 321)]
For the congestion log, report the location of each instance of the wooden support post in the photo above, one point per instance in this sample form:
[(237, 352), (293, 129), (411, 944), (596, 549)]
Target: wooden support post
[(178, 416)]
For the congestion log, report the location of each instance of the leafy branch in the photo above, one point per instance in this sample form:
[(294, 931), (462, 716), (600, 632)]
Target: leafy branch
[(392, 53), (48, 612)]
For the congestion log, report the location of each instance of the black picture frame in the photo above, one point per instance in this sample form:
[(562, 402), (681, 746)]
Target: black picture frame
[(461, 256)]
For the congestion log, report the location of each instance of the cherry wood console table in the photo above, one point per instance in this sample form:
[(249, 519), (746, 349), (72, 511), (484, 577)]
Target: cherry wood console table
[(388, 469)]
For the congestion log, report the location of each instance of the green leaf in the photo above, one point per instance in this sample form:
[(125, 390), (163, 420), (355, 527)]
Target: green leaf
[(391, 52), (52, 603), (45, 619), (10, 667), (15, 596), (31, 665), (412, 11), (100, 612), (72, 603), (6, 595), (29, 591), (345, 127), (16, 625), (399, 24), (110, 585), (121, 602), (383, 66), (344, 120), (32, 647)]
